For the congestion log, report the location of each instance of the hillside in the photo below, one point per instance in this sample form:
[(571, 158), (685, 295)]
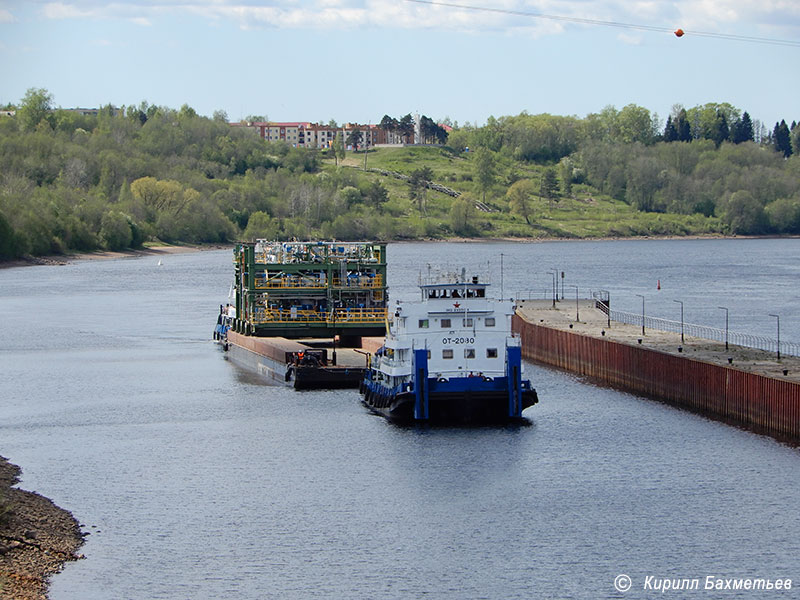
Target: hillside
[(583, 213), (121, 179)]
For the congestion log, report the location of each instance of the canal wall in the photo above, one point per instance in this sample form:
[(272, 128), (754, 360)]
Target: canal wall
[(761, 403)]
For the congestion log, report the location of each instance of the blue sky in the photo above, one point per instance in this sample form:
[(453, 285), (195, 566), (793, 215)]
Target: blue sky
[(356, 60)]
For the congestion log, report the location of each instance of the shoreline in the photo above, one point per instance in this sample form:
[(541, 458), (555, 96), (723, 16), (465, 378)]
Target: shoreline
[(65, 259), (36, 538)]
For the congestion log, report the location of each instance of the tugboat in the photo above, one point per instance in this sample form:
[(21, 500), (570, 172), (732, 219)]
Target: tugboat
[(450, 358), (293, 301)]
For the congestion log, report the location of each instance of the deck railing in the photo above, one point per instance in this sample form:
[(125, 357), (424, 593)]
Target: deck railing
[(300, 282), (746, 340), (343, 316), (736, 338)]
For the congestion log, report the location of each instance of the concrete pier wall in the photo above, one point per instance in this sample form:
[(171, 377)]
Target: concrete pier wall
[(750, 400)]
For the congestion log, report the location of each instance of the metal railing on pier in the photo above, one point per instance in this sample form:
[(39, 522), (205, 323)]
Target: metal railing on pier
[(702, 331)]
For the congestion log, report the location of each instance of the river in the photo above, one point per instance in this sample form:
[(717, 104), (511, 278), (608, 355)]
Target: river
[(197, 480)]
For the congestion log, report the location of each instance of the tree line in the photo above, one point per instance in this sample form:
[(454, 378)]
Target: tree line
[(712, 160), (73, 182)]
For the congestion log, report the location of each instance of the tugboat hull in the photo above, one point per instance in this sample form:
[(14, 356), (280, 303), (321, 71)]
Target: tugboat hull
[(460, 401)]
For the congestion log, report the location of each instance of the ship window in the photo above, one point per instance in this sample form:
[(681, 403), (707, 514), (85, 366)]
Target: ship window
[(446, 323), (491, 353), (489, 321), (468, 322), (423, 323), (447, 353), (469, 352)]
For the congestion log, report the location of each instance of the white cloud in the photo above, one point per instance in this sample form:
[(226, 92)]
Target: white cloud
[(526, 17), (6, 16), (634, 39), (59, 10)]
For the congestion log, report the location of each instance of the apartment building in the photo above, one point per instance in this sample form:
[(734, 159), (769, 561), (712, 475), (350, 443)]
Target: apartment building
[(313, 135)]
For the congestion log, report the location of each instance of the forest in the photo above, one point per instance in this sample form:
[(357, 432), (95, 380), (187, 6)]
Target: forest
[(147, 174)]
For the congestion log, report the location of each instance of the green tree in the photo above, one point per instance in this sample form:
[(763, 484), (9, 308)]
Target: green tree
[(35, 107), (519, 197), (784, 215), (354, 139), (485, 170), (670, 131), (115, 231), (462, 212), (548, 187), (643, 181), (742, 130), (796, 140), (261, 226), (406, 128), (720, 131), (337, 148), (744, 214), (418, 187), (8, 247), (389, 124), (376, 194), (349, 196), (782, 139), (635, 124), (566, 169), (159, 196), (684, 127)]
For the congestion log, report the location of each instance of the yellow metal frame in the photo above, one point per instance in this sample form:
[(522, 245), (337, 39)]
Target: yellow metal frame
[(342, 316)]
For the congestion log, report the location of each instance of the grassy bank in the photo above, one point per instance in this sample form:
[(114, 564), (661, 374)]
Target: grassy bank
[(582, 213)]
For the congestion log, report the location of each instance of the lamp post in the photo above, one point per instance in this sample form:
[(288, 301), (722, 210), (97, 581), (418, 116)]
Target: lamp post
[(609, 310), (726, 326), (681, 303), (779, 334), (642, 297), (577, 305), (501, 275)]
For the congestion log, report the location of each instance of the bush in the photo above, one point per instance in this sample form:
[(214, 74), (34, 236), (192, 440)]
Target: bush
[(115, 231)]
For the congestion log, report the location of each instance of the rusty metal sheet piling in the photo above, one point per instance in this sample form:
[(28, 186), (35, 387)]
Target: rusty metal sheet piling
[(750, 400)]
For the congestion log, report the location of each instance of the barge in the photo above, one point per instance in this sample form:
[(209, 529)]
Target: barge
[(303, 310), (450, 357)]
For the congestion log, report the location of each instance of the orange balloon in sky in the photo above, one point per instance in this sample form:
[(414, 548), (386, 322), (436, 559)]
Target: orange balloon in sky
[(679, 32)]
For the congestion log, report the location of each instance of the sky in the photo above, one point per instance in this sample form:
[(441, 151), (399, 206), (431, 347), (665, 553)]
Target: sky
[(357, 60)]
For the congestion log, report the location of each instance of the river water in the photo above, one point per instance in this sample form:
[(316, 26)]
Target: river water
[(197, 480)]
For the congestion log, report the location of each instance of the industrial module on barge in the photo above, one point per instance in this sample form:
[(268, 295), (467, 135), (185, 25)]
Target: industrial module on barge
[(296, 301)]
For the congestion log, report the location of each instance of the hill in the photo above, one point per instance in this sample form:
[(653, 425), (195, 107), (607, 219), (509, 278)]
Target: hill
[(120, 179)]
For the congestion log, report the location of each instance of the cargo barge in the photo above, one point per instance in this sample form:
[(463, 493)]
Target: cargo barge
[(303, 310)]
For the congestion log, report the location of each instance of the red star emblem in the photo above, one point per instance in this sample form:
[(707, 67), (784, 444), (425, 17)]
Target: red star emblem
[(456, 304)]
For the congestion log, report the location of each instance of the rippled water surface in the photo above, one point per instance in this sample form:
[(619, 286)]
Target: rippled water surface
[(196, 480)]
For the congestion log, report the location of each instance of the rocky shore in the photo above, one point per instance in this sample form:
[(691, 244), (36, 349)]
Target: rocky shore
[(36, 539)]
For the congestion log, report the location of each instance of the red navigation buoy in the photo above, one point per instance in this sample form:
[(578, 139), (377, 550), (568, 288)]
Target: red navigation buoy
[(679, 32), (658, 287)]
